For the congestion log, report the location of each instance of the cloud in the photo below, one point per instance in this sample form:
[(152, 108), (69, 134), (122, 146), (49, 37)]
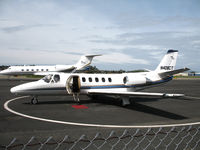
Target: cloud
[(120, 58), (25, 27), (158, 23), (41, 57), (128, 33)]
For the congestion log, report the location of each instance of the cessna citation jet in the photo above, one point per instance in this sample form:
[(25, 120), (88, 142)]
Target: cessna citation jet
[(45, 70), (123, 85)]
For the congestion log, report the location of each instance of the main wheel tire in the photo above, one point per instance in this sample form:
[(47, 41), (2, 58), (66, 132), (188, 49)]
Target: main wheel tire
[(34, 101)]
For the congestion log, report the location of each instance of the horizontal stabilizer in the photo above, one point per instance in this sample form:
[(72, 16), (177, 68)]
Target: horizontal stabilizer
[(170, 73), (133, 93), (93, 55)]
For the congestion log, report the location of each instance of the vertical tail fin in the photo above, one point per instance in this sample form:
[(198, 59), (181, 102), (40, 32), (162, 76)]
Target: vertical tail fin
[(168, 62), (84, 61)]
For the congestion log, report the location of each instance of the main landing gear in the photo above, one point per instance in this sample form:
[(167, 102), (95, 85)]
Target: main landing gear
[(34, 100), (125, 101)]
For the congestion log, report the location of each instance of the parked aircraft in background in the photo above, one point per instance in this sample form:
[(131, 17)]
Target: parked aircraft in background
[(123, 85), (45, 70)]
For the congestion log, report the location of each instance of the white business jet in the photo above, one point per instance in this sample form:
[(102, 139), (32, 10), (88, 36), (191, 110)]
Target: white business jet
[(123, 85), (45, 70)]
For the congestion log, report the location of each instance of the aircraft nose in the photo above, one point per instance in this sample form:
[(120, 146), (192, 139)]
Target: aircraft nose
[(3, 72), (14, 90), (23, 88)]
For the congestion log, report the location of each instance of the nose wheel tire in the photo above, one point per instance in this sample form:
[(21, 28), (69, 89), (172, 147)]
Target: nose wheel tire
[(34, 100)]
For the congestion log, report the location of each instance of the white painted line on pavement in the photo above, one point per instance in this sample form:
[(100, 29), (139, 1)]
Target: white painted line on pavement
[(85, 124)]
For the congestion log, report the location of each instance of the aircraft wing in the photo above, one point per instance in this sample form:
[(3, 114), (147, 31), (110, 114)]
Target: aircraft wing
[(118, 93), (44, 73), (170, 73)]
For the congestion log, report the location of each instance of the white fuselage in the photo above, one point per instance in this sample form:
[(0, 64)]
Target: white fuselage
[(89, 82), (28, 70)]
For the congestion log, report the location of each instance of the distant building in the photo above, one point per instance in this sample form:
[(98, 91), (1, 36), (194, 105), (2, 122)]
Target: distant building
[(194, 74)]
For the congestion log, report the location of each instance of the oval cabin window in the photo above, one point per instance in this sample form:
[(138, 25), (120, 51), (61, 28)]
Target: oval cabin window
[(90, 79), (96, 79), (83, 79)]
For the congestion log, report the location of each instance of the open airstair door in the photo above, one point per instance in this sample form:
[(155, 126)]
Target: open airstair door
[(73, 86)]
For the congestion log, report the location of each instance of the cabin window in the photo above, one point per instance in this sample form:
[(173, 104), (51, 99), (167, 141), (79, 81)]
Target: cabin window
[(22, 69), (83, 79), (27, 69), (97, 79), (37, 69), (90, 79), (103, 79), (42, 69), (56, 78), (109, 79), (47, 69), (125, 80), (32, 69)]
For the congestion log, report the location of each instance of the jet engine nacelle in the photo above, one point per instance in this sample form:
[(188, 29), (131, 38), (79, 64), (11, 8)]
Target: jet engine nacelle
[(134, 80)]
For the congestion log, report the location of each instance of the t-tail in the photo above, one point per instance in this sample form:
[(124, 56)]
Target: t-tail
[(168, 62), (84, 61), (167, 65)]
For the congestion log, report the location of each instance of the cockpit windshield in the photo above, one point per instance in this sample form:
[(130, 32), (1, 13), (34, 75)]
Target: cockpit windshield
[(51, 78), (47, 78)]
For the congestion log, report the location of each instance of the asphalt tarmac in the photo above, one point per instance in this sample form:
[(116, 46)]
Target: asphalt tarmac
[(101, 111)]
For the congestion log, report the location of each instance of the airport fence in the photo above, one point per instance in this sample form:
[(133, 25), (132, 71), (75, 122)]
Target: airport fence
[(186, 137)]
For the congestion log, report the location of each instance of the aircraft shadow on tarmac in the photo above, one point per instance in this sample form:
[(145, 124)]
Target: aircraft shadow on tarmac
[(155, 111), (135, 105)]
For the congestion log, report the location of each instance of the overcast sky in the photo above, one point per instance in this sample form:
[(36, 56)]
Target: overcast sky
[(131, 34)]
